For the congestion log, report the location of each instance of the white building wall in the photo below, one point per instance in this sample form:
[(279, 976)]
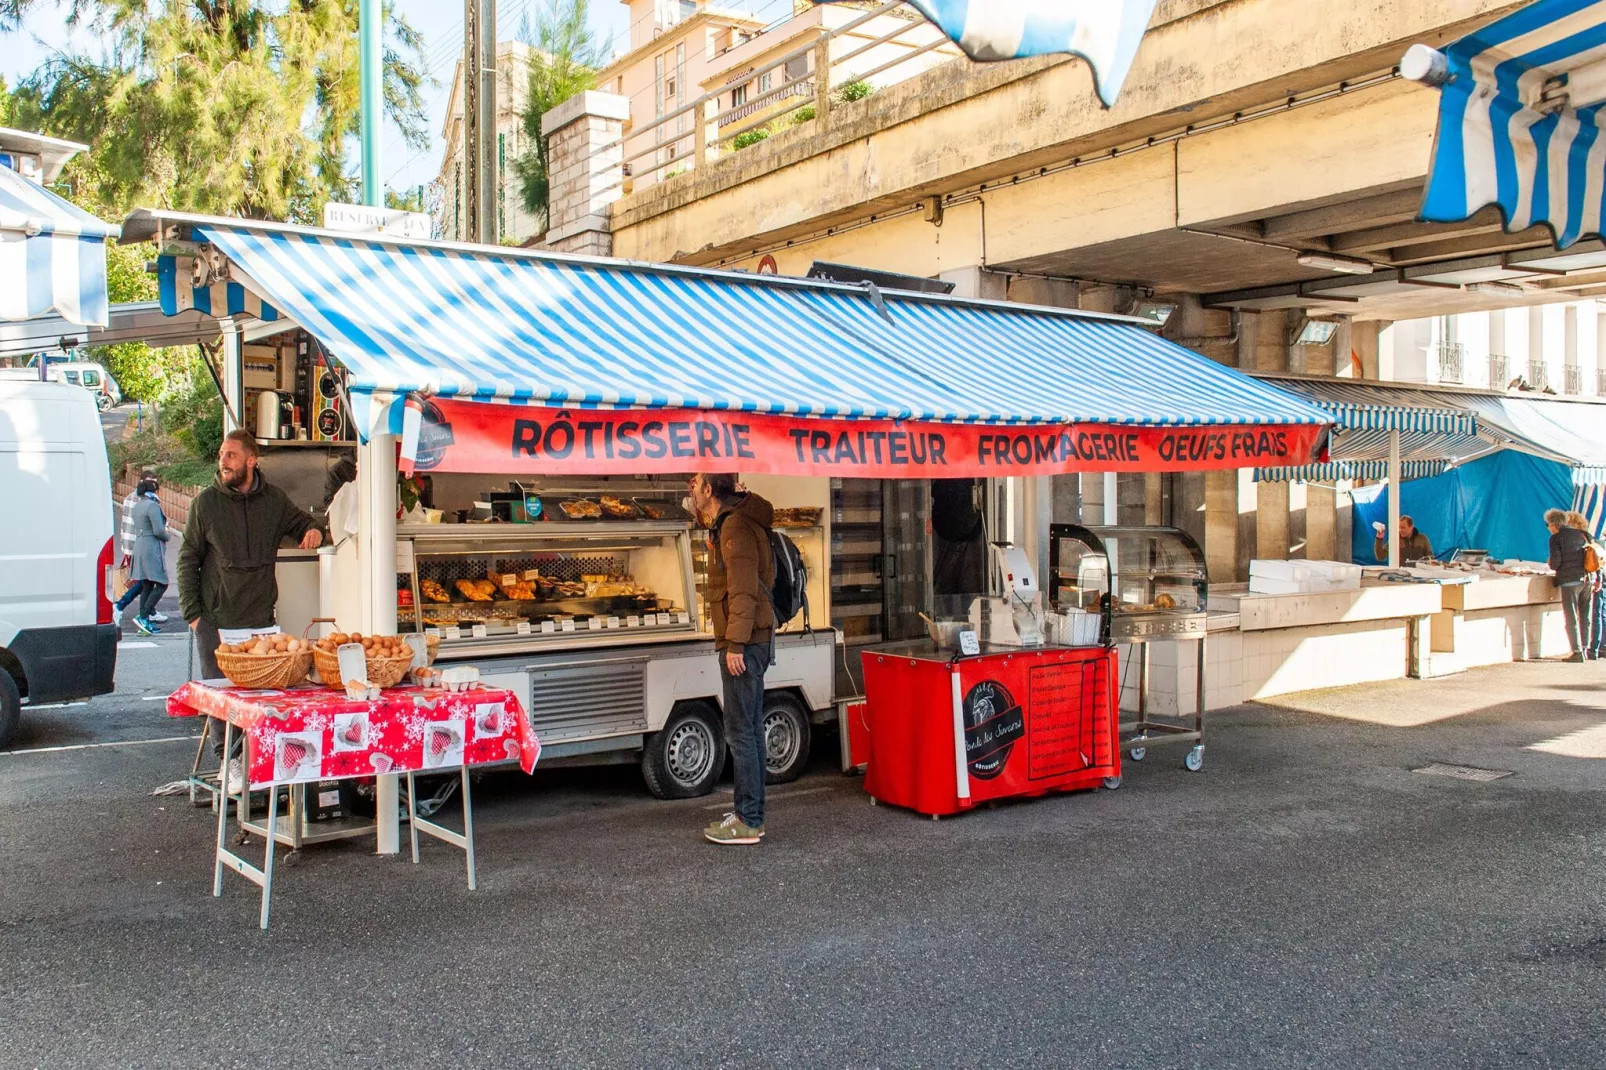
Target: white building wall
[(1558, 346)]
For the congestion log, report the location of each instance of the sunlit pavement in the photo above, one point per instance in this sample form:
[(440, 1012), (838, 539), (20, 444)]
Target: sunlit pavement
[(1305, 900)]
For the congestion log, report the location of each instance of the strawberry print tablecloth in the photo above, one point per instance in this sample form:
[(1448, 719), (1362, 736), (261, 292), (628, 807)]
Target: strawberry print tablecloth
[(313, 733)]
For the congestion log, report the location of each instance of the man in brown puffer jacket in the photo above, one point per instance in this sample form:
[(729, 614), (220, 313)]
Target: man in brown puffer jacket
[(741, 577)]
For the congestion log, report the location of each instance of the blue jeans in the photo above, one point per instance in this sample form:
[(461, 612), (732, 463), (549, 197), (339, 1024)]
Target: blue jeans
[(133, 592), (1597, 621), (744, 730)]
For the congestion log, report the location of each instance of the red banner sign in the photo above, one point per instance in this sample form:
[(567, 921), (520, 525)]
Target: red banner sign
[(464, 436)]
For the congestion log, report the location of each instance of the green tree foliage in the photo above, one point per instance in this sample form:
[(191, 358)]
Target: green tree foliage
[(567, 58), (141, 371), (228, 107), (750, 137)]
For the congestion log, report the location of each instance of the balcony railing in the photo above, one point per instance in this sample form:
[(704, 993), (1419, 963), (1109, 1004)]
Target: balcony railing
[(1499, 371), (816, 74), (1572, 379), (1451, 360), (1538, 375)]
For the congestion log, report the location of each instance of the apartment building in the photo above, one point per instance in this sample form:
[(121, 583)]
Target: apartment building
[(1557, 349)]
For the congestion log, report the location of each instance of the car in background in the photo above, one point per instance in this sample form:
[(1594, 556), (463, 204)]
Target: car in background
[(57, 640), (84, 373)]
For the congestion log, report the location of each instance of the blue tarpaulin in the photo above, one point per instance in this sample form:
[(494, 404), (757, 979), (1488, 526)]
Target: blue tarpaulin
[(1496, 504)]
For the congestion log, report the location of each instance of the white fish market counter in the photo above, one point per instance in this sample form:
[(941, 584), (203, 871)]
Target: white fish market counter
[(1262, 645)]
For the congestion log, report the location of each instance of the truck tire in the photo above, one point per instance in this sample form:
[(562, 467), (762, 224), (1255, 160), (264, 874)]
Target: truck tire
[(786, 737), (685, 759), (10, 708)]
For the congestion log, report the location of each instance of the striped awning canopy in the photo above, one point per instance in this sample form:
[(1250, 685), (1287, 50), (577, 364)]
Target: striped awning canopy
[(1519, 120), (410, 318), (52, 255), (176, 289), (1440, 428), (1105, 33)]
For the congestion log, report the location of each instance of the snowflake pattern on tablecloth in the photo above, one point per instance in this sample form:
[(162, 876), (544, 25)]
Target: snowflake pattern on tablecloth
[(397, 726)]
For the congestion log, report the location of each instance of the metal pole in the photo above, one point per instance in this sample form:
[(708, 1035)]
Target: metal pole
[(370, 34), (1394, 499), (479, 120)]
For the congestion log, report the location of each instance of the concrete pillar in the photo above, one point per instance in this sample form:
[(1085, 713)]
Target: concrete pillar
[(1343, 348), (1364, 338), (1271, 521), (1053, 293), (1248, 339), (1153, 498), (1321, 523), (977, 282), (585, 150), (1221, 525)]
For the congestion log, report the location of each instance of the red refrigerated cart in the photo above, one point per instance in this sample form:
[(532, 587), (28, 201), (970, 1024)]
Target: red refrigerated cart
[(948, 731)]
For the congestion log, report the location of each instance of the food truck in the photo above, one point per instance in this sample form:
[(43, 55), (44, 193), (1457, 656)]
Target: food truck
[(545, 411)]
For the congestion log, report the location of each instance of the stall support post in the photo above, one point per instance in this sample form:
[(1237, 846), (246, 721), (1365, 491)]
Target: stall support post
[(233, 374), (1394, 499), (376, 548), (1112, 511)]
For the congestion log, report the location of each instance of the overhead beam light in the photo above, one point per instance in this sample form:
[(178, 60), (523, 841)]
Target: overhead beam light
[(1316, 333), (1156, 312), (1344, 265)]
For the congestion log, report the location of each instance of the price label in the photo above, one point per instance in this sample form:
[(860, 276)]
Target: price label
[(479, 631), (968, 644), (683, 617), (632, 621), (531, 575), (509, 579), (650, 619), (613, 622), (595, 624), (568, 625), (524, 627), (547, 627), (454, 632), (432, 631)]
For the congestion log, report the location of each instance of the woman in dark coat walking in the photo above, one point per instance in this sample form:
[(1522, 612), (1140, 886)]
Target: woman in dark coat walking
[(149, 564)]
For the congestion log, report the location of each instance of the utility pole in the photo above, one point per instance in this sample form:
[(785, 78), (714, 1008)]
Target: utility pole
[(370, 35), (479, 120)]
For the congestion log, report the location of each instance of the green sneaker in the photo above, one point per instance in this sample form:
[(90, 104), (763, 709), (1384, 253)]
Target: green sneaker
[(730, 831)]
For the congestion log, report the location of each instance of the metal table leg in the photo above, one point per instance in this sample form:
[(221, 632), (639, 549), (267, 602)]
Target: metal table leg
[(463, 840)]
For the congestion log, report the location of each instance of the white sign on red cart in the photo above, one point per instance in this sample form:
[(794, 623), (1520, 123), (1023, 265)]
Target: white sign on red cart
[(367, 219)]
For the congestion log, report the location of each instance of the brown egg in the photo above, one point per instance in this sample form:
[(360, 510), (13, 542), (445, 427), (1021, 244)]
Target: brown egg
[(354, 637), (293, 646), (260, 648)]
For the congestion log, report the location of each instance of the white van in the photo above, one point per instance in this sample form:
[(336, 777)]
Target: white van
[(57, 641), (85, 373)]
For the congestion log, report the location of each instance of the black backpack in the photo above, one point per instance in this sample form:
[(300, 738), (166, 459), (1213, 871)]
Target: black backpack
[(791, 590)]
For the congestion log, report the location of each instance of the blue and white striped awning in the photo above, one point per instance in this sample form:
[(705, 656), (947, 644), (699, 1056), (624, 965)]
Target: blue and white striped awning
[(52, 255), (1519, 120), (410, 318), (1377, 407), (1590, 500), (176, 289), (1350, 470), (1105, 33)]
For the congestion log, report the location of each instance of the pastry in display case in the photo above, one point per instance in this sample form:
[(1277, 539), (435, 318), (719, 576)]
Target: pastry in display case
[(1147, 582), (516, 586)]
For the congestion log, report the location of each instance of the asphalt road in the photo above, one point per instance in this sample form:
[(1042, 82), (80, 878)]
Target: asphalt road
[(1305, 901)]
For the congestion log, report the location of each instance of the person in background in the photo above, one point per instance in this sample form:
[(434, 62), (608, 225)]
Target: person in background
[(741, 577), (126, 542), (149, 565), (1413, 544), (1595, 638), (227, 589), (1567, 561)]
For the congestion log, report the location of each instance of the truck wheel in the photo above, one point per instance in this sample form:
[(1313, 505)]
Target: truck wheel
[(685, 759), (786, 737), (103, 402), (10, 708)]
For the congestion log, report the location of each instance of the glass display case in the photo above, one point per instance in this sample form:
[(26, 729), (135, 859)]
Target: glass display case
[(489, 588), (1147, 582)]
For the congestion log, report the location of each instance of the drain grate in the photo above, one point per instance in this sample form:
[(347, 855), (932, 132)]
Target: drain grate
[(1464, 772)]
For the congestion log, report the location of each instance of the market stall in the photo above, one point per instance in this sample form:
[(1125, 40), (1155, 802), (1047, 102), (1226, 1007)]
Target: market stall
[(518, 374)]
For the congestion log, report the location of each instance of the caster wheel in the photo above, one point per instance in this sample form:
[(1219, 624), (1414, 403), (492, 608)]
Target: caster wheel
[(1194, 760), (1112, 782), (1137, 754), (872, 800)]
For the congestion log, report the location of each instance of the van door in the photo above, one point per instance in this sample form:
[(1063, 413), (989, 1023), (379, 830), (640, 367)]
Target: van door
[(40, 563)]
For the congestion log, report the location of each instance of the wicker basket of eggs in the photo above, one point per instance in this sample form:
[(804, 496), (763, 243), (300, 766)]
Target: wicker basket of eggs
[(266, 661), (388, 657)]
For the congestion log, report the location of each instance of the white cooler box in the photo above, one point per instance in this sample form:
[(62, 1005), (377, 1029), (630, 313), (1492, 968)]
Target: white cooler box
[(1302, 577)]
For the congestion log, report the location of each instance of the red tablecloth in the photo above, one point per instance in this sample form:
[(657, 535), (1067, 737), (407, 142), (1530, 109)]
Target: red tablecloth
[(313, 733)]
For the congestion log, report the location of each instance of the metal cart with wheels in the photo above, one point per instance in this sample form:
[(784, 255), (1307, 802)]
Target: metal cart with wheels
[(1148, 584)]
